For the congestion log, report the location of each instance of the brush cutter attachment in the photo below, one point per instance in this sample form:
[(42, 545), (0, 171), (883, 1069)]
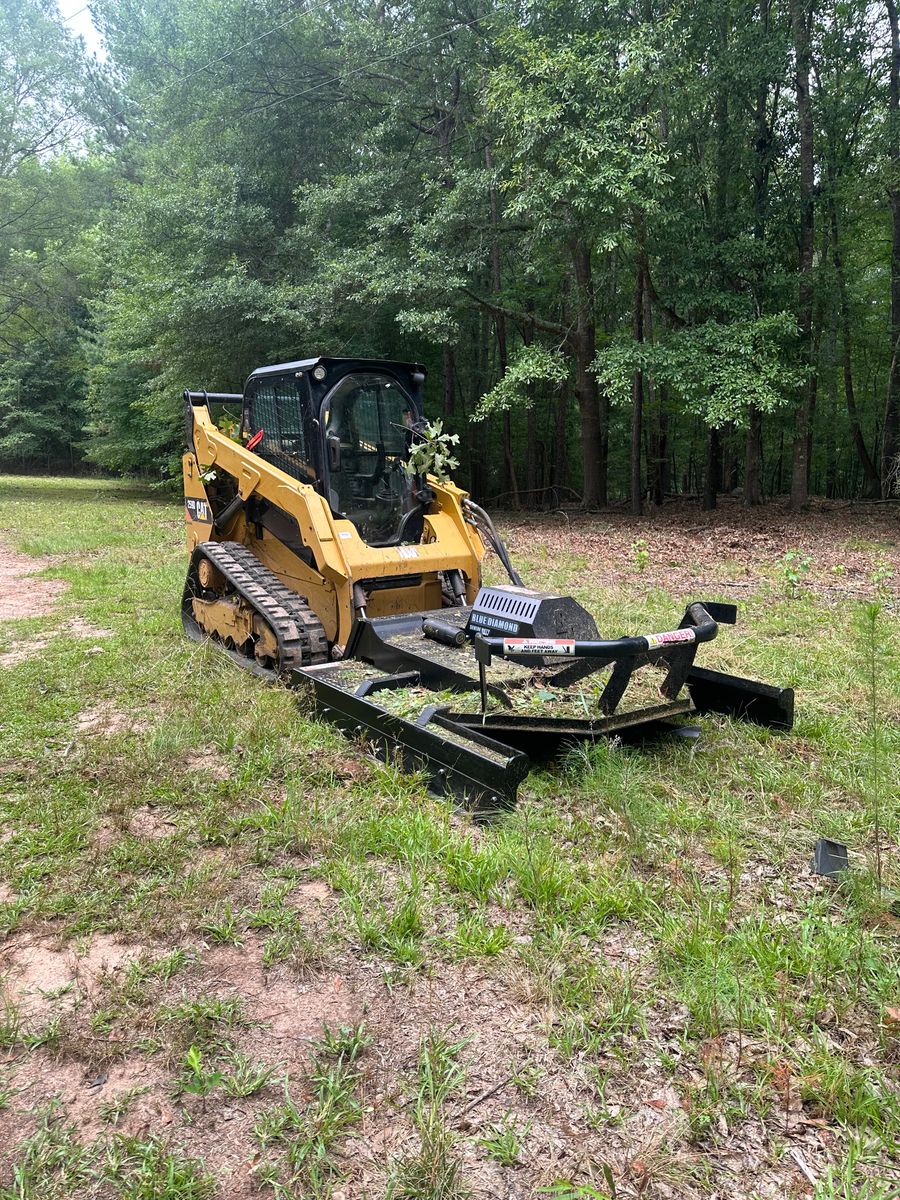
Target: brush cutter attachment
[(476, 716)]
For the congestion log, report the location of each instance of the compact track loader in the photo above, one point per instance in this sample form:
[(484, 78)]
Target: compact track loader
[(319, 557)]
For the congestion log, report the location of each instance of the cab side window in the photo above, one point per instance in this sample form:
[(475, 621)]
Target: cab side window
[(275, 409)]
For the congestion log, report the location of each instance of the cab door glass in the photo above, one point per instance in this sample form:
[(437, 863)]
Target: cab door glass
[(367, 420)]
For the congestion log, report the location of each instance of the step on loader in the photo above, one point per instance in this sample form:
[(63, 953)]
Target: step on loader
[(319, 556)]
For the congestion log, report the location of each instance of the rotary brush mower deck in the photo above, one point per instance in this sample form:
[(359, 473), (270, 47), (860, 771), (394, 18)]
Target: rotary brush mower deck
[(480, 746)]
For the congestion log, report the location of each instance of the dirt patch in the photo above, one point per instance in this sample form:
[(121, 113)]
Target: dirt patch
[(150, 823), (137, 1094), (23, 650), (105, 719), (314, 892), (21, 593), (40, 977), (470, 1005), (210, 760), (290, 1010), (31, 647), (511, 1075), (106, 835), (80, 628), (146, 822), (89, 1099)]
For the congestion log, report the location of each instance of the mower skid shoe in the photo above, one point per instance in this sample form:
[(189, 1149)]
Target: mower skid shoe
[(761, 703)]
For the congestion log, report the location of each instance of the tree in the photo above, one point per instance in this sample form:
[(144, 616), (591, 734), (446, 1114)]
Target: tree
[(596, 228), (583, 161), (890, 437), (801, 18)]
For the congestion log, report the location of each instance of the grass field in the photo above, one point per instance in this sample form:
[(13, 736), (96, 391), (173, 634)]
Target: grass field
[(240, 957)]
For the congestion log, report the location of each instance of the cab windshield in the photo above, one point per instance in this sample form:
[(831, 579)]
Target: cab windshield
[(368, 421)]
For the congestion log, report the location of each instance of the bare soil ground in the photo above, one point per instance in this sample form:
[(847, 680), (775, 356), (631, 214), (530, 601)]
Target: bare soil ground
[(680, 547), (22, 594)]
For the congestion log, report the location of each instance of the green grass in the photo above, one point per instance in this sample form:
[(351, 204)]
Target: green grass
[(432, 1170), (651, 907), (310, 1132)]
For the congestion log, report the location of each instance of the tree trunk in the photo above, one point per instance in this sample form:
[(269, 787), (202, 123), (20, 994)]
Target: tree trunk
[(832, 417), (478, 434), (872, 485), (584, 341), (531, 450), (449, 371), (510, 484), (778, 489), (753, 493), (713, 472), (561, 460), (764, 124), (801, 16), (661, 468), (637, 398), (531, 458), (729, 461), (890, 434)]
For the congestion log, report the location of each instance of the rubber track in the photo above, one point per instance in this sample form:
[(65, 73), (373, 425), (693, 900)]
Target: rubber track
[(298, 631)]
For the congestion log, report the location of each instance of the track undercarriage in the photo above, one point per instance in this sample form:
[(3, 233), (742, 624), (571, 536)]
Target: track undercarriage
[(231, 597)]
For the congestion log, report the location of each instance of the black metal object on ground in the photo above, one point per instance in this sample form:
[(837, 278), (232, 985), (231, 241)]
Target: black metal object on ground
[(465, 763), (830, 858)]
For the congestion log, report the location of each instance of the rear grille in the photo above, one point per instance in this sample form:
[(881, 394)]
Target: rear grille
[(507, 604)]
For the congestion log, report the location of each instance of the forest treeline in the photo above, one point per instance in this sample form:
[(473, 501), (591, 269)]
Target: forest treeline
[(642, 247)]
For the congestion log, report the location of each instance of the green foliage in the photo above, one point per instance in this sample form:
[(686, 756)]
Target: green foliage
[(196, 1079), (310, 1133), (431, 453), (641, 551), (717, 370), (480, 194), (503, 1142), (793, 566), (532, 365), (434, 1170)]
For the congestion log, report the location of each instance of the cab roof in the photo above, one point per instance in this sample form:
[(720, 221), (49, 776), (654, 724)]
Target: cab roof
[(306, 364)]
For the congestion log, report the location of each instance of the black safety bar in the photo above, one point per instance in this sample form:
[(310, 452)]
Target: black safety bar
[(698, 626)]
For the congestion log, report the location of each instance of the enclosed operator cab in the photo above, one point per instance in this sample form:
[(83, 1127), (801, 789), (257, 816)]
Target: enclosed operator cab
[(344, 426)]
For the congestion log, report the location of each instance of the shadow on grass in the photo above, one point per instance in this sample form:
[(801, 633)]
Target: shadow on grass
[(84, 491)]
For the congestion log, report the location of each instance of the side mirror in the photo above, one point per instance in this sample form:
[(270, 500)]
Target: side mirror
[(334, 452)]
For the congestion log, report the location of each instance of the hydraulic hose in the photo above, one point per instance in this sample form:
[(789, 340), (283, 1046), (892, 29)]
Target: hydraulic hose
[(485, 526)]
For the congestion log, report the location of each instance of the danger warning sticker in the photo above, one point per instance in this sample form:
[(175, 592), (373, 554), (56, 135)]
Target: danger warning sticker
[(655, 640), (538, 646)]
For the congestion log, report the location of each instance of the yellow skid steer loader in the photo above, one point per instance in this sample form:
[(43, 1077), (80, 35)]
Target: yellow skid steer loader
[(319, 556)]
